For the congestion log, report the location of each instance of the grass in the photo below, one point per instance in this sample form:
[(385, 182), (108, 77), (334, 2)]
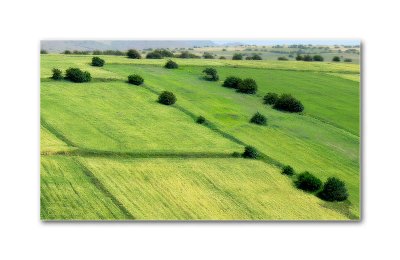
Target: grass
[(120, 117), (205, 189), (154, 162)]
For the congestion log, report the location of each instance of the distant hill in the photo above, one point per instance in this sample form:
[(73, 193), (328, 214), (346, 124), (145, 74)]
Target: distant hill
[(59, 46)]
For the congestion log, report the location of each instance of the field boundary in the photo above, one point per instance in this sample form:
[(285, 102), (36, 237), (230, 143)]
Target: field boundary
[(56, 133), (99, 185)]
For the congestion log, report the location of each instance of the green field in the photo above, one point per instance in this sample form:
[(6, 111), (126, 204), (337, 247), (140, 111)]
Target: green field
[(110, 151)]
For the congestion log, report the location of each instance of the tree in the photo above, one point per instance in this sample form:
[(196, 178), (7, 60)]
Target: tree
[(334, 190), (77, 75), (171, 65), (187, 55), (43, 51), (256, 57), (288, 170), (270, 98), (57, 74), (288, 103), (211, 74), (232, 82), (222, 58), (247, 86), (208, 55), (308, 182), (299, 57), (201, 120), (154, 55), (282, 58), (67, 52), (237, 56), (133, 54), (307, 58), (250, 152), (336, 59), (97, 62), (348, 60), (258, 119), (135, 79), (167, 98), (318, 58)]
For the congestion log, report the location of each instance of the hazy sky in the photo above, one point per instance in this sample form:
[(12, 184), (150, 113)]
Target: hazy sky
[(294, 41)]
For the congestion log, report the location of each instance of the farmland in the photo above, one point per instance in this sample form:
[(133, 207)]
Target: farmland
[(110, 151)]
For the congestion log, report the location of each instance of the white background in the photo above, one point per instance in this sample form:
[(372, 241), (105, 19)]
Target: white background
[(24, 23)]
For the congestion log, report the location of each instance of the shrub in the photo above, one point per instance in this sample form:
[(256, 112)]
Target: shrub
[(97, 62), (222, 58), (250, 152), (154, 55), (248, 58), (171, 64), (133, 54), (299, 57), (247, 86), (237, 56), (288, 170), (318, 58), (201, 120), (187, 55), (43, 52), (232, 82), (67, 52), (258, 119), (348, 60), (256, 57), (334, 190), (57, 74), (270, 98), (208, 55), (282, 58), (236, 154), (307, 58), (211, 74), (336, 59), (288, 103), (135, 79), (77, 75), (167, 98), (308, 182)]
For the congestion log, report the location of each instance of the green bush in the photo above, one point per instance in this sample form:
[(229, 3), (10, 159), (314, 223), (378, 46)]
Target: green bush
[(288, 103), (250, 152), (348, 60), (307, 58), (154, 55), (77, 75), (232, 82), (57, 74), (334, 190), (171, 64), (167, 98), (97, 62), (258, 119), (208, 55), (247, 86), (187, 55), (336, 59), (288, 170), (222, 58), (308, 182), (201, 120), (211, 74), (299, 57), (256, 57), (318, 58), (270, 98), (67, 52), (282, 58), (43, 52), (133, 54), (135, 79), (237, 56)]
